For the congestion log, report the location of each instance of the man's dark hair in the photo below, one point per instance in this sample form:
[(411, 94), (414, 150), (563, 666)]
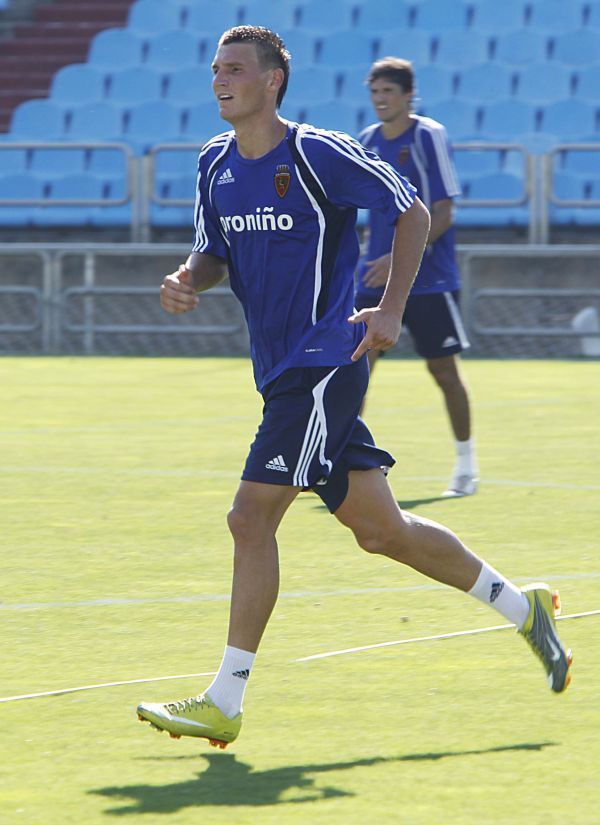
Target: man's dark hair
[(270, 48), (394, 69)]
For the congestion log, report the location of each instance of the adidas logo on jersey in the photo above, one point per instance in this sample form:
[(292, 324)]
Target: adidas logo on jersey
[(226, 177), (450, 341), (277, 463)]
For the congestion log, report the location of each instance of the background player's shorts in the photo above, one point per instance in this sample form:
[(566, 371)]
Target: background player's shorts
[(434, 322), (311, 435)]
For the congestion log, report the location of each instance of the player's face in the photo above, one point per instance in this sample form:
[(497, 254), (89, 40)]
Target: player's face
[(240, 85), (389, 100)]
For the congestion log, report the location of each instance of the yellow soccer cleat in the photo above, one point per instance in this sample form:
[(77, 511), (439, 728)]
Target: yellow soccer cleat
[(197, 716), (540, 632)]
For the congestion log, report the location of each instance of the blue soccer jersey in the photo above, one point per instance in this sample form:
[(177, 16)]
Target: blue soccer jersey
[(285, 223), (422, 155)]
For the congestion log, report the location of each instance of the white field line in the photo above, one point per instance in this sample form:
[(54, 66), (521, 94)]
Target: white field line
[(293, 594), (432, 638), (97, 687), (63, 691), (160, 472)]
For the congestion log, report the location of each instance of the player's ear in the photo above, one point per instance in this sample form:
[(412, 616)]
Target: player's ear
[(277, 78)]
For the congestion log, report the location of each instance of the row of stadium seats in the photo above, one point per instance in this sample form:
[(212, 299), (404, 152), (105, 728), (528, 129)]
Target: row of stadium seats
[(144, 124), (536, 82), (314, 15), (166, 49)]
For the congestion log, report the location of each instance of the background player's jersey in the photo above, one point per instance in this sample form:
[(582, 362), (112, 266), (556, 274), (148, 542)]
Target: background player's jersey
[(285, 223), (422, 154)]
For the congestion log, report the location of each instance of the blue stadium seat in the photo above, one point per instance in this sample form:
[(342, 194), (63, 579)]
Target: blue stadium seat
[(413, 45), (340, 49), (13, 161), (554, 15), (314, 15), (485, 81), (576, 48), (580, 162), (497, 186), (568, 186), (471, 163), (201, 122), (494, 17), (22, 187), (117, 48), (312, 84), (190, 85), (460, 48), (503, 119), (569, 119), (460, 117), (379, 17), (171, 164), (107, 164), (339, 115), (77, 83), (352, 84), (154, 121), (592, 15), (543, 82), (434, 83), (37, 119), (439, 15), (134, 85), (94, 121), (520, 47), (211, 17), (53, 163), (273, 14), (154, 16), (587, 83), (177, 189), (175, 49), (301, 45)]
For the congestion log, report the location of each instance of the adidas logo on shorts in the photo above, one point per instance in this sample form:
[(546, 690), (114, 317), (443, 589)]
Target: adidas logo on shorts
[(277, 463)]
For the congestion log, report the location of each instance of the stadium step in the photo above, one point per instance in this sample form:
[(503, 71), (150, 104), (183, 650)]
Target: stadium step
[(58, 34)]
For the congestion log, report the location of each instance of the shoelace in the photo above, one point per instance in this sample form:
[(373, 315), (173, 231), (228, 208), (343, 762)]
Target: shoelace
[(186, 705)]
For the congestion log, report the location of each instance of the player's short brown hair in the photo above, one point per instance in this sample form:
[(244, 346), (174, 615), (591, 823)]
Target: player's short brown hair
[(270, 48), (394, 69)]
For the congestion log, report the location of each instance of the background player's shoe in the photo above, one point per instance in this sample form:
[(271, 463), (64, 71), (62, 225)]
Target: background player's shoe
[(540, 631), (462, 484), (196, 716)]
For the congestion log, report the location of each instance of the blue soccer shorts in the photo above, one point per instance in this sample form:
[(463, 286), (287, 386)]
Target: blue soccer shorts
[(434, 322), (311, 435)]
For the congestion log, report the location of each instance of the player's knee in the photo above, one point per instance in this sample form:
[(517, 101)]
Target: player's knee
[(445, 376), (381, 542), (242, 525)]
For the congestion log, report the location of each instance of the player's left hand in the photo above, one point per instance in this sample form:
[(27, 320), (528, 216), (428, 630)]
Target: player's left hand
[(377, 271), (383, 329)]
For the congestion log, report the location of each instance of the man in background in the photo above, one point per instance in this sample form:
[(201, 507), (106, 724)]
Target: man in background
[(418, 148)]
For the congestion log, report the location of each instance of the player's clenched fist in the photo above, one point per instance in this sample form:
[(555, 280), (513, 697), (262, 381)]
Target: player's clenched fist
[(177, 292)]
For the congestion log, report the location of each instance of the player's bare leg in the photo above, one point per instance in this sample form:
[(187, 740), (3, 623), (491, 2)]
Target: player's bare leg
[(380, 526), (448, 376), (253, 521)]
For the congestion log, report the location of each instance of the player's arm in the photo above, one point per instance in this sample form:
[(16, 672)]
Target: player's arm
[(384, 322), (200, 272), (442, 218)]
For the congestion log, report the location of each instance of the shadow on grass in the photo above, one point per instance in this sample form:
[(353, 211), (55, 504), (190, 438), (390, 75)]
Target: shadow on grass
[(229, 782)]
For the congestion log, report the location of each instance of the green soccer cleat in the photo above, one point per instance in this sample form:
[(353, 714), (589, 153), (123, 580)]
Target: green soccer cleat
[(197, 716), (540, 631)]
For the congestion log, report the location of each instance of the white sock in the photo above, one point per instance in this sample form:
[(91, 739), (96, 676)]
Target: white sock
[(227, 688), (501, 594), (466, 461)]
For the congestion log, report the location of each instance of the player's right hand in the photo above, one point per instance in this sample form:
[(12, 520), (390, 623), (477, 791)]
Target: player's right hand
[(177, 292)]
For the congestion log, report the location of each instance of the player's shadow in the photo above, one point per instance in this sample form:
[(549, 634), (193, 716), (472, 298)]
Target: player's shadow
[(229, 782), (409, 504)]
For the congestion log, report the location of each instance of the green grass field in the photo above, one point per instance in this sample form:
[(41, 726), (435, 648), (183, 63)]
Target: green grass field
[(116, 477)]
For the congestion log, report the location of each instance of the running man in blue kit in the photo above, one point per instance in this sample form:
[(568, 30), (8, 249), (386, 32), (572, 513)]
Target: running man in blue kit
[(276, 209), (418, 148)]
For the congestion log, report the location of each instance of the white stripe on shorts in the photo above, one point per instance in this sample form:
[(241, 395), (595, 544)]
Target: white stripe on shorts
[(457, 320), (315, 436)]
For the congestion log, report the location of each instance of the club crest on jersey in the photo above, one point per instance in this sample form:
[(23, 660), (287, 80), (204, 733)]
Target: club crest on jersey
[(403, 155), (282, 179)]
